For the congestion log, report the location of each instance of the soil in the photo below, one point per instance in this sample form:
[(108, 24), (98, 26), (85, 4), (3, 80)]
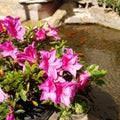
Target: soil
[(99, 45)]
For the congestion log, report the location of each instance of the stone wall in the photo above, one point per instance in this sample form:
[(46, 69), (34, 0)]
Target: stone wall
[(9, 1), (13, 8), (27, 11)]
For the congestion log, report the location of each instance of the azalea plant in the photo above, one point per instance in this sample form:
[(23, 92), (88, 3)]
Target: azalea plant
[(36, 61)]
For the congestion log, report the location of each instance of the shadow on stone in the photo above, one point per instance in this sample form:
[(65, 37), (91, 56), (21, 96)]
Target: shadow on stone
[(103, 106)]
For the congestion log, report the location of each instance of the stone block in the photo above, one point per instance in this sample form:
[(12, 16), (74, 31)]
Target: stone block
[(21, 13), (32, 11), (61, 14), (9, 1), (34, 1), (7, 9), (39, 11)]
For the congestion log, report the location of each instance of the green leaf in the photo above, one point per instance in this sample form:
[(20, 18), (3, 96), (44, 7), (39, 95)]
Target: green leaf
[(78, 108), (57, 106), (99, 82), (20, 86), (95, 73), (91, 67), (17, 96), (40, 73), (2, 117), (103, 72), (40, 24), (33, 67), (27, 66), (19, 111), (46, 102), (23, 95)]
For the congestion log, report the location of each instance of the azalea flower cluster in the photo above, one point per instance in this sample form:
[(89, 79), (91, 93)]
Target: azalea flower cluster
[(58, 78), (15, 31), (56, 87)]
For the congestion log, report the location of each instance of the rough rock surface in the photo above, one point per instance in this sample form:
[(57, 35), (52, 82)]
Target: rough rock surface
[(109, 19), (63, 12), (68, 13), (80, 15)]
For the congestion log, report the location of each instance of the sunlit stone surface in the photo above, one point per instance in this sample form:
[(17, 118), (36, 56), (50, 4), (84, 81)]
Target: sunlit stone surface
[(34, 1)]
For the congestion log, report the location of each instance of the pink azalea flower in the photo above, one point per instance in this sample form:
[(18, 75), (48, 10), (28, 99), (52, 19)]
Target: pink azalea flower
[(1, 27), (65, 92), (53, 32), (50, 64), (3, 96), (70, 62), (8, 49), (83, 79), (10, 116), (58, 91), (40, 34), (30, 54), (13, 26), (48, 90)]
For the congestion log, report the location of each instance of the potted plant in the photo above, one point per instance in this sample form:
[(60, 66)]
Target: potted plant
[(77, 110), (38, 72)]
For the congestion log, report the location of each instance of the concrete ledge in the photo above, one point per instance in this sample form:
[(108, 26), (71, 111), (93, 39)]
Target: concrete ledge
[(33, 1)]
